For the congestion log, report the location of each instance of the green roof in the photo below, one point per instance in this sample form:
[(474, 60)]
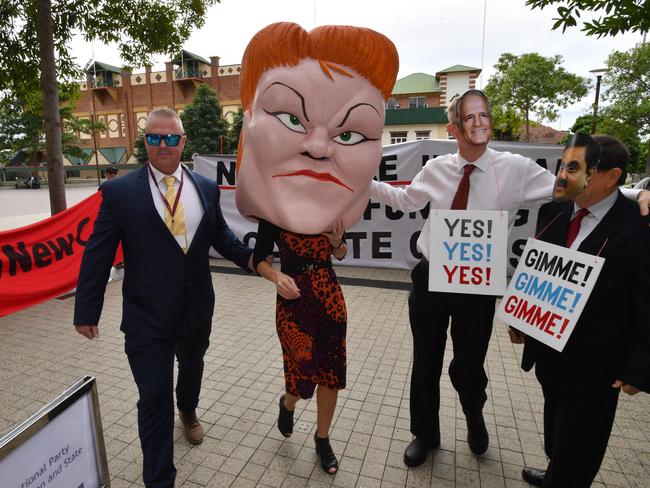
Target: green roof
[(416, 83), (113, 154), (457, 68), (186, 55), (99, 66), (405, 116)]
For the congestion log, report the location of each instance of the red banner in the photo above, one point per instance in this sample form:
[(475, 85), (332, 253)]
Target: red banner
[(42, 260)]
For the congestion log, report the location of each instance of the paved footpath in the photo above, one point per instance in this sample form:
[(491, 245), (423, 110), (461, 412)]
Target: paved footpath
[(40, 355)]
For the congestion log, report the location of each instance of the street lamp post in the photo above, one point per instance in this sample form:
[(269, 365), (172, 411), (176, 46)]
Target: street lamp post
[(599, 74)]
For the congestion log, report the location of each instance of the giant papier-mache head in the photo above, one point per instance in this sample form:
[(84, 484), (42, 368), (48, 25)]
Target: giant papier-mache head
[(313, 119)]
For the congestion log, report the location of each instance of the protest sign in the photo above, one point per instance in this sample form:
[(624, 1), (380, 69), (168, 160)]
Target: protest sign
[(468, 251), (548, 291)]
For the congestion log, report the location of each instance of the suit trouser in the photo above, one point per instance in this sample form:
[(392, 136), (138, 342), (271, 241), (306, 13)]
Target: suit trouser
[(152, 365), (471, 327), (578, 419)]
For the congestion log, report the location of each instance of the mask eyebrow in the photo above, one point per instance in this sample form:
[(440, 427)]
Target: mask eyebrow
[(347, 114), (302, 99)]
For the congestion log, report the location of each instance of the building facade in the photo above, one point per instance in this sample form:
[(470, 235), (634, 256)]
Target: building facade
[(418, 103)]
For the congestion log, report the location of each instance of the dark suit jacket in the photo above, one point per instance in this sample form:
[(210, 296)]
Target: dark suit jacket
[(165, 291), (612, 338)]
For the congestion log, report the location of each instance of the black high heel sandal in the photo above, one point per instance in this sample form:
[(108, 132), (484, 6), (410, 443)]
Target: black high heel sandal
[(327, 458), (285, 419)]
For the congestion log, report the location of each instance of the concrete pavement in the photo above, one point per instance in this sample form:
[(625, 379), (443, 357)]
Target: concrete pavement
[(40, 355)]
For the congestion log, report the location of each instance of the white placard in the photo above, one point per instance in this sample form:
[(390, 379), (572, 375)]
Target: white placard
[(57, 447), (468, 251), (548, 291)]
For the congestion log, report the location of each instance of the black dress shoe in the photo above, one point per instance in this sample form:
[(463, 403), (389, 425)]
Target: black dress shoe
[(477, 435), (285, 419), (418, 450), (533, 476)]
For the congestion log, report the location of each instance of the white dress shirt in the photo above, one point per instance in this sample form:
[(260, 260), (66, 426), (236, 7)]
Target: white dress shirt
[(190, 199), (501, 181), (596, 213)]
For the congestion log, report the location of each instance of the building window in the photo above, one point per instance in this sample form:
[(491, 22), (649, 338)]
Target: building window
[(417, 102), (391, 103), (422, 134), (397, 137)]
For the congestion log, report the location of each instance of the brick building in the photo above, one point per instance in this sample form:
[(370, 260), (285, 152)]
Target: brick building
[(122, 100)]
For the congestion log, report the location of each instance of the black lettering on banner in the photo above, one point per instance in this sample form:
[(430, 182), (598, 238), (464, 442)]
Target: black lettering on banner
[(80, 228), (522, 217), (42, 255), (367, 214), (517, 250), (21, 258), (228, 172), (356, 237), (378, 244), (424, 212), (542, 162), (414, 245), (64, 246), (393, 214), (385, 167)]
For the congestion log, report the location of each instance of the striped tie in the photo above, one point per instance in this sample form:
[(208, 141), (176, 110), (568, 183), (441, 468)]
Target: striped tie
[(175, 223)]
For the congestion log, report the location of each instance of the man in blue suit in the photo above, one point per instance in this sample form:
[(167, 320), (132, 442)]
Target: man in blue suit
[(166, 218)]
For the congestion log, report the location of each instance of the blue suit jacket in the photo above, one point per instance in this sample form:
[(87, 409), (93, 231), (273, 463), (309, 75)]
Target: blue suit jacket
[(165, 291)]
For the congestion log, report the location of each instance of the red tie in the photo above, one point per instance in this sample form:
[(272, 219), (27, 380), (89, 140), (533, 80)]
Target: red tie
[(460, 199), (574, 226)]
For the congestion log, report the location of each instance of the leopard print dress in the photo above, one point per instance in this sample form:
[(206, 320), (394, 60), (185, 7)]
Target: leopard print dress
[(311, 328)]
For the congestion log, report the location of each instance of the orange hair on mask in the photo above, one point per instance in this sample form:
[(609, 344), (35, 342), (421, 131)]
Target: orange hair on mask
[(367, 52)]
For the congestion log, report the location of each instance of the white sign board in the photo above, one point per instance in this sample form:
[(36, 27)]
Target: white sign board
[(548, 291), (468, 251), (59, 447)]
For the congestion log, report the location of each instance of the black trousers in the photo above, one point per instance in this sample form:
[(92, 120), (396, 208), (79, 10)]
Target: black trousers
[(578, 419), (152, 365), (471, 328)]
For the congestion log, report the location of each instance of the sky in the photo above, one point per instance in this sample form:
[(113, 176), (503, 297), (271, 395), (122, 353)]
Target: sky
[(430, 35)]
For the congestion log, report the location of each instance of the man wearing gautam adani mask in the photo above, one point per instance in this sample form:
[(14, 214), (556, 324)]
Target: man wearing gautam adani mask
[(609, 349), (475, 178), (579, 163)]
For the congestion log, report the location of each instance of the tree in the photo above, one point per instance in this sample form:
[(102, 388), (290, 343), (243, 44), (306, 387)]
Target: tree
[(35, 38), (533, 83), (205, 127), (627, 84), (139, 149), (617, 16), (235, 130), (607, 124)]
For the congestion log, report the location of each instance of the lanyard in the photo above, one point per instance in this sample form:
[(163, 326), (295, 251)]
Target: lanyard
[(172, 209)]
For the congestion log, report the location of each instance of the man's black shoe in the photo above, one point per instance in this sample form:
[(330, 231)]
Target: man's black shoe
[(533, 476), (418, 450), (477, 435)]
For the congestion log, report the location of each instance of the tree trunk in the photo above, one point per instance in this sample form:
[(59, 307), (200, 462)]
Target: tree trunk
[(55, 172), (526, 134)]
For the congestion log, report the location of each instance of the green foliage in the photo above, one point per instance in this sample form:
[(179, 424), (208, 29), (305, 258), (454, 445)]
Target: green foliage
[(531, 83), (235, 130), (606, 123), (205, 128), (139, 149), (616, 16), (22, 122), (140, 28)]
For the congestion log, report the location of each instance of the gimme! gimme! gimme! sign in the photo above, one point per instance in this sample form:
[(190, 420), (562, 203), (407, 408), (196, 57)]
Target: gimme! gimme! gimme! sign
[(548, 291)]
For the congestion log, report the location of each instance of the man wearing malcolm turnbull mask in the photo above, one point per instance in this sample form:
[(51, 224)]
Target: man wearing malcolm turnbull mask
[(609, 349)]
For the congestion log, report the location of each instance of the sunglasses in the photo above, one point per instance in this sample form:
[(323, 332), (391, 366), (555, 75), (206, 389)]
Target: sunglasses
[(170, 139)]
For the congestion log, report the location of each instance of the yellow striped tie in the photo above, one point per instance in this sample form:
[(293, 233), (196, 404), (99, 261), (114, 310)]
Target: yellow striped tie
[(175, 224)]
